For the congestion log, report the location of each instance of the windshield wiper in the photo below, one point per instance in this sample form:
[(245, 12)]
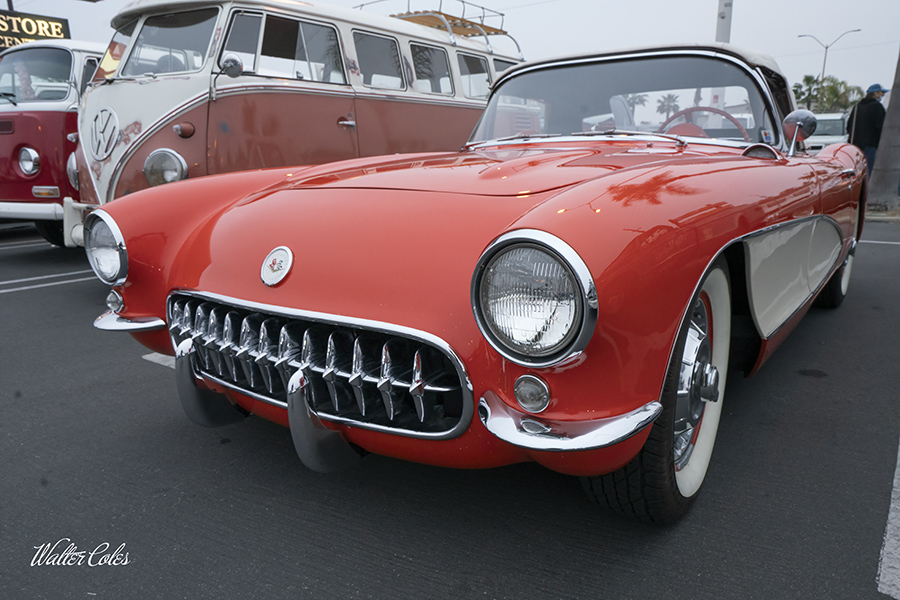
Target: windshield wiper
[(526, 136), (680, 140), (10, 97)]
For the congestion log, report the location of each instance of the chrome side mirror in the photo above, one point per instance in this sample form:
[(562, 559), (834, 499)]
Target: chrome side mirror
[(797, 127), (232, 65)]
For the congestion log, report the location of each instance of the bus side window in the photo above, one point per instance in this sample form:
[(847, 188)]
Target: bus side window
[(278, 47), (475, 76), (432, 69), (87, 73), (379, 61), (501, 65), (319, 54), (243, 39)]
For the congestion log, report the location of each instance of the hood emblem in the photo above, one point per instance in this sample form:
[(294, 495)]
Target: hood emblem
[(277, 265), (104, 133)]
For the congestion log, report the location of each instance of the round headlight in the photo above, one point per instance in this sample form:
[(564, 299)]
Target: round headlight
[(534, 299), (164, 166), (105, 248), (29, 161)]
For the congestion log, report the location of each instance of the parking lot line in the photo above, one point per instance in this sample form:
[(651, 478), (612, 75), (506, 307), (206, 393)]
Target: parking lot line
[(160, 359), (889, 566), (43, 285), (12, 281)]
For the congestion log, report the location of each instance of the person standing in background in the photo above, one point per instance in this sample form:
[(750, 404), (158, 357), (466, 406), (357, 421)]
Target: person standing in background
[(865, 122)]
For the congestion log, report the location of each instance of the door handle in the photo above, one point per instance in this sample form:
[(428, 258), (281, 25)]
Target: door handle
[(345, 122)]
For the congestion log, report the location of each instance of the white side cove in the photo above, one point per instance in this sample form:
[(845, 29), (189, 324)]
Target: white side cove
[(786, 264)]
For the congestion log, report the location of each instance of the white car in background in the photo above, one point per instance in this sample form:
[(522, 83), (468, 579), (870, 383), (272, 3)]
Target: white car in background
[(831, 129)]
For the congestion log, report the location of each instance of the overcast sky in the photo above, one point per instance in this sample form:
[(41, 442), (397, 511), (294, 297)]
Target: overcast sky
[(557, 27)]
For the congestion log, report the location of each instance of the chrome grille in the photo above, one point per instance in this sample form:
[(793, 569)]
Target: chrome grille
[(358, 374)]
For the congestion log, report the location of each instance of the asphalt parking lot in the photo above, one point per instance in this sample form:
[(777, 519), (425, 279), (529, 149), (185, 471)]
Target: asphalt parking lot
[(801, 500)]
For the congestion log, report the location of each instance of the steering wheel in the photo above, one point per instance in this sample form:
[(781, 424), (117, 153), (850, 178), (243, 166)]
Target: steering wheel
[(691, 110)]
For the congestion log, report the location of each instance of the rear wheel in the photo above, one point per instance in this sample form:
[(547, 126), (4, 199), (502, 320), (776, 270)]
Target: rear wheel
[(661, 483), (52, 231), (835, 290)]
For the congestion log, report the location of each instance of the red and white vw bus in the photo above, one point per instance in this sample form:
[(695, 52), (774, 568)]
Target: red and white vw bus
[(190, 88), (40, 87)]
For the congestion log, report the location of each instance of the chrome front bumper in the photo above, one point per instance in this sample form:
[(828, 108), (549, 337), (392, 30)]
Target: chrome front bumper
[(535, 433)]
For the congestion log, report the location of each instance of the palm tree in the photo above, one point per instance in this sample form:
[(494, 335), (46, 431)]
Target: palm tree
[(805, 92), (667, 105), (883, 191), (838, 96), (632, 100)]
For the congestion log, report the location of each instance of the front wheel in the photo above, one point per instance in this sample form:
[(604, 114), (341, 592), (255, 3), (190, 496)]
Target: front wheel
[(52, 231), (661, 483)]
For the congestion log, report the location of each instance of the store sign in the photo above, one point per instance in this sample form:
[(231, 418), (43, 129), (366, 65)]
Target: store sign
[(17, 28)]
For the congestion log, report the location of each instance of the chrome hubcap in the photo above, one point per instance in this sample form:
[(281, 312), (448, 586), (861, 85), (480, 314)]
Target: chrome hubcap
[(698, 383)]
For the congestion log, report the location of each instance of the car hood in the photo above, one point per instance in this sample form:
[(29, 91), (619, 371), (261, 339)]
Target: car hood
[(392, 241)]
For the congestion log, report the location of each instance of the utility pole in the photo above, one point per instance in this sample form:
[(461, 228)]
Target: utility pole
[(723, 21)]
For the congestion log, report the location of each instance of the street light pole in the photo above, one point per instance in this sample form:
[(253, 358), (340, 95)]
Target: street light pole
[(824, 60)]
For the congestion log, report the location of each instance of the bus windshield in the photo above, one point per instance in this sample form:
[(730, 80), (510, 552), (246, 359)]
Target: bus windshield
[(35, 75), (172, 43)]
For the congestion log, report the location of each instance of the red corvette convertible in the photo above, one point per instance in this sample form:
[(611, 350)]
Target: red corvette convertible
[(570, 288)]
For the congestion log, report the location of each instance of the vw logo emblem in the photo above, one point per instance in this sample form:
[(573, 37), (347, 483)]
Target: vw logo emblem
[(104, 133), (276, 266)]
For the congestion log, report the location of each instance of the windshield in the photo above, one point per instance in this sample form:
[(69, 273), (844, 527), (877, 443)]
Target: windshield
[(679, 95), (115, 52), (830, 127), (35, 75), (171, 43)]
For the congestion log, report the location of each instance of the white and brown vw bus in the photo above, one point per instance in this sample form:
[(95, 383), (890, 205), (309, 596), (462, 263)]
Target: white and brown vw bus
[(190, 88)]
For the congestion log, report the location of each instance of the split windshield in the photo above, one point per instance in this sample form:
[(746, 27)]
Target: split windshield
[(171, 43), (680, 95), (35, 75)]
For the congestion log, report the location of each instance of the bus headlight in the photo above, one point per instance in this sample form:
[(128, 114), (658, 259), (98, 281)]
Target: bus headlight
[(29, 160), (164, 166)]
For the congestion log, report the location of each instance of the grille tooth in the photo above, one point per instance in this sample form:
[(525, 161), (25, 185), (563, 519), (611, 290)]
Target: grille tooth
[(214, 339), (312, 363), (394, 377), (267, 353), (338, 358), (364, 373), (231, 339), (424, 404), (175, 316), (247, 350), (290, 345), (366, 377), (200, 332), (187, 318)]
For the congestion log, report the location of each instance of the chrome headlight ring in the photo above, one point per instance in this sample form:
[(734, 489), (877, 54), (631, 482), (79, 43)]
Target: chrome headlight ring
[(105, 248), (164, 166), (534, 299), (29, 161)]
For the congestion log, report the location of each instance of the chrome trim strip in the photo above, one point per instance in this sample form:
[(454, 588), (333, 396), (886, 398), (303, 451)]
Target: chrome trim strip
[(584, 279), (527, 431), (110, 321)]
